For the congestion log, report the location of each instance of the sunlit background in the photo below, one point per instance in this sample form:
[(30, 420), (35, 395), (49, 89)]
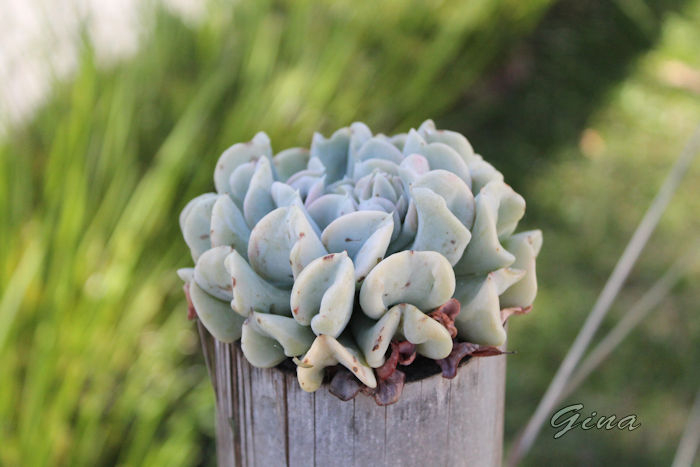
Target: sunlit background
[(112, 115)]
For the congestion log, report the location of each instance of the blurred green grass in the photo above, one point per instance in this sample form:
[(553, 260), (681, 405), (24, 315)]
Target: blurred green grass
[(99, 365), (601, 107)]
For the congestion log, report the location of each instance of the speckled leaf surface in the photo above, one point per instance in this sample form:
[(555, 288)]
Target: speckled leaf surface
[(422, 278), (323, 294), (327, 351), (361, 240)]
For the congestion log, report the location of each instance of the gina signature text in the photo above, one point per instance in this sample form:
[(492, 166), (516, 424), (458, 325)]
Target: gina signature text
[(567, 419)]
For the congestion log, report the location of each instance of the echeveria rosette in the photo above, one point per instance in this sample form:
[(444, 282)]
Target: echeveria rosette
[(327, 255)]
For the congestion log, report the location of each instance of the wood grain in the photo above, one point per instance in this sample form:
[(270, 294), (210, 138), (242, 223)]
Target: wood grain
[(265, 419)]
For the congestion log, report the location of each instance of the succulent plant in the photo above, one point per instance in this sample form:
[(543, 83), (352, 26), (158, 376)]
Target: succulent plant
[(337, 254)]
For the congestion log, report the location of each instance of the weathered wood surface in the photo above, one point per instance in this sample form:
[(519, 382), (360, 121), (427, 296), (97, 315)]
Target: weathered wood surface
[(265, 419)]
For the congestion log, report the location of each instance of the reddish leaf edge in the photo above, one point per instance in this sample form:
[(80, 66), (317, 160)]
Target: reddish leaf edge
[(391, 380), (191, 312)]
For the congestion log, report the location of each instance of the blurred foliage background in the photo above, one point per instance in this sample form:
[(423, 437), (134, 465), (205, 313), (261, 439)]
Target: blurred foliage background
[(583, 105)]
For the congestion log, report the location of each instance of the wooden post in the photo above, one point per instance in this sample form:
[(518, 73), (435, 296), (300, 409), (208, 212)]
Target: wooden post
[(265, 419)]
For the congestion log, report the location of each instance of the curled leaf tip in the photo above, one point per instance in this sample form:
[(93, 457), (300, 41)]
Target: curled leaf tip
[(451, 308), (489, 351), (449, 364), (445, 314), (298, 362), (389, 366), (402, 352), (460, 350), (407, 352), (515, 310)]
